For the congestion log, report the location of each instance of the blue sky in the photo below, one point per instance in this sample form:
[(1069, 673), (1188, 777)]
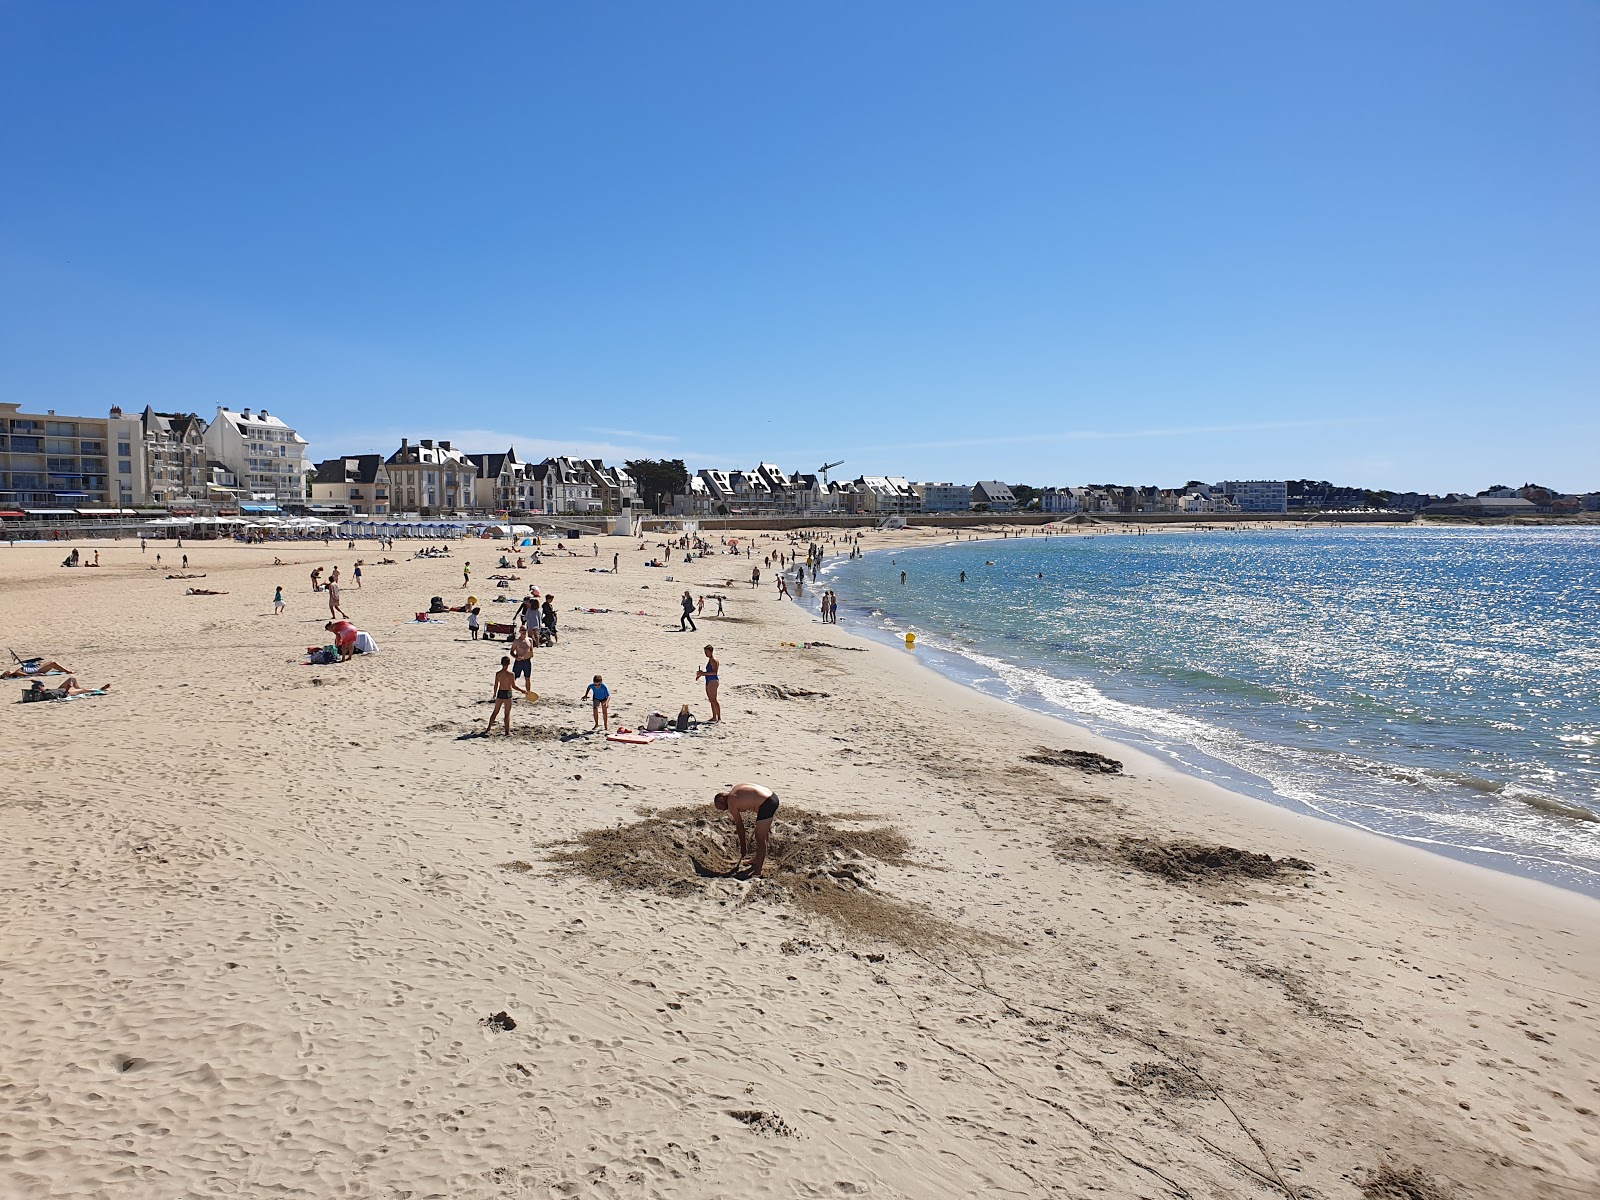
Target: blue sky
[(1045, 242)]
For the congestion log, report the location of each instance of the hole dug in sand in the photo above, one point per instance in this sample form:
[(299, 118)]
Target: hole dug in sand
[(821, 868), (1084, 760), (773, 691)]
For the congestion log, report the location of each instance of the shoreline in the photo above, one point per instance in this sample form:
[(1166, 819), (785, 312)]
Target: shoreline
[(1224, 774), (260, 913)]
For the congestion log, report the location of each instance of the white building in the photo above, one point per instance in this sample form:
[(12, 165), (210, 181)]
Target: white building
[(1257, 495), (565, 487), (945, 497), (430, 478), (266, 456)]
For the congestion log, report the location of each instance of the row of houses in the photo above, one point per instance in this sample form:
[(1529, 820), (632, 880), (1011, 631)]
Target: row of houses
[(768, 490), (175, 462), (432, 477)]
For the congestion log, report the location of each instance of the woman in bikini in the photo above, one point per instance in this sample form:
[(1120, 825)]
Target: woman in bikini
[(711, 673)]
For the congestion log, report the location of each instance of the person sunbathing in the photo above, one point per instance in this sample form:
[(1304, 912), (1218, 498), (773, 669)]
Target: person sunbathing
[(67, 690), (35, 666), (202, 592)]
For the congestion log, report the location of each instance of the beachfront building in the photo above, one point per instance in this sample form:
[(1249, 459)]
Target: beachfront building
[(430, 478), (945, 497), (883, 495), (505, 483), (161, 462), (993, 495), (615, 487), (812, 495), (565, 488), (267, 456), (55, 465), (358, 482), (1257, 495), (1482, 506), (1060, 500)]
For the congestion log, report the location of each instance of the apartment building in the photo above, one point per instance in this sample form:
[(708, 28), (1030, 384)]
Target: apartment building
[(1257, 495), (267, 457), (359, 482), (945, 497), (54, 463)]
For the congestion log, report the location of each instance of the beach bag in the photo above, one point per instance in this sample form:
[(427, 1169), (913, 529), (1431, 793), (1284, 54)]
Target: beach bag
[(656, 722)]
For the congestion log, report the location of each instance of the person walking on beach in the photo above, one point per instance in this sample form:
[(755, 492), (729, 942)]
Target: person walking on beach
[(712, 674), (755, 577), (599, 697), (504, 684), (141, 545), (549, 615), (762, 803), (185, 561), (277, 602), (719, 604), (615, 560), (466, 573), (358, 575), (686, 622), (333, 600)]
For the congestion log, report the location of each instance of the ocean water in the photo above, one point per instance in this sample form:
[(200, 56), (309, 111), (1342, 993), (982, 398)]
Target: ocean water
[(1441, 686)]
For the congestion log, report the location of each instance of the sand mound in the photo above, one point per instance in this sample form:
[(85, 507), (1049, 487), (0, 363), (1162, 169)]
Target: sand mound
[(818, 866), (1389, 1182), (1184, 862), (773, 691), (1083, 760)]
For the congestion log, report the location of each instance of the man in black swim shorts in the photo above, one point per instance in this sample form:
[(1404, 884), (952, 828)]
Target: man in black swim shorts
[(741, 798)]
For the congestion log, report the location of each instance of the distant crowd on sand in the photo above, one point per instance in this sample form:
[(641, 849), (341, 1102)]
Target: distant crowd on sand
[(534, 626)]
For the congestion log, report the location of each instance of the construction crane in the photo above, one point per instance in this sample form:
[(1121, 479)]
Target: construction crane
[(825, 468)]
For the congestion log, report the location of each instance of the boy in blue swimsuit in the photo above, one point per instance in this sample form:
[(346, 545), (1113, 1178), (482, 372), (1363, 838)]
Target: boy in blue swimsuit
[(601, 699)]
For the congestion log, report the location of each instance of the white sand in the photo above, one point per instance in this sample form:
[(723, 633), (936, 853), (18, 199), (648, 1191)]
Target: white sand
[(252, 926)]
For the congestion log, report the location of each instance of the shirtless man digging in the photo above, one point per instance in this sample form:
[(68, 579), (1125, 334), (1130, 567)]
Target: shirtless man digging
[(741, 798)]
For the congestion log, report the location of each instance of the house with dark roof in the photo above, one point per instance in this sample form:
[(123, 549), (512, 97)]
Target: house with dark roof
[(359, 481)]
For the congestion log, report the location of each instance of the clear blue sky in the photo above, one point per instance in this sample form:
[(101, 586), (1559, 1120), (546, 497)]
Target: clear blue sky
[(1046, 242)]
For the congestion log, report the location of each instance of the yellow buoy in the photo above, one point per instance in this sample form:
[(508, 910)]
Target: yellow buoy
[(911, 641)]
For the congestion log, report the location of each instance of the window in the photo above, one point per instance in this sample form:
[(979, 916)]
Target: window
[(124, 468), (60, 446), (124, 449), (68, 428), (23, 425), (92, 448)]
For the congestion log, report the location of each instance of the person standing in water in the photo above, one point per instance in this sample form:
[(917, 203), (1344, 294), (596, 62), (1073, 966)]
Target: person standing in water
[(712, 674)]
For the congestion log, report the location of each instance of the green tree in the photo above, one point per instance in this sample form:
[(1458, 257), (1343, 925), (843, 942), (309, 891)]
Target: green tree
[(658, 478)]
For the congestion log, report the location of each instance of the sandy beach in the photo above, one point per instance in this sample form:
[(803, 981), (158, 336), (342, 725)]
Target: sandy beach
[(262, 918)]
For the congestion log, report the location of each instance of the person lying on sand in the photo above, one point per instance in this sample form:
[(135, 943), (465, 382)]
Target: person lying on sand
[(741, 798), (70, 688), (35, 666), (202, 592)]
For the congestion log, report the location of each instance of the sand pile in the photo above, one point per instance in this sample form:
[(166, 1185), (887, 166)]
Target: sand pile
[(815, 863)]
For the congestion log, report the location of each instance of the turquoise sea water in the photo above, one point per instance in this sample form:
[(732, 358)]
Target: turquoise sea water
[(1436, 685)]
